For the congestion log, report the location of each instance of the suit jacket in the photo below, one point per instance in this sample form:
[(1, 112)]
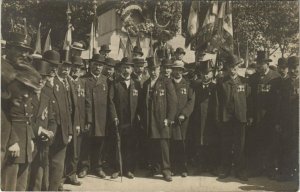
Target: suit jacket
[(141, 80), (185, 105), (97, 103), (233, 98), (159, 105), (117, 102)]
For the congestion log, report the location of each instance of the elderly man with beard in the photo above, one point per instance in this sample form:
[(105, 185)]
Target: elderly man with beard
[(96, 116)]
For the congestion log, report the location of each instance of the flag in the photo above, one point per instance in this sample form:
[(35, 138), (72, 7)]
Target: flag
[(25, 28), (91, 45), (227, 32), (37, 47), (12, 25), (47, 45), (128, 47), (193, 22), (68, 38), (96, 36), (138, 42), (247, 56), (122, 47), (150, 53)]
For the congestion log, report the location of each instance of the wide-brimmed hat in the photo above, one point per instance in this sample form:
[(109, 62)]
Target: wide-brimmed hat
[(78, 46), (232, 60), (110, 62), (104, 48), (29, 76), (42, 67), (139, 62), (152, 63), (166, 62), (52, 57), (293, 62), (77, 60), (282, 62), (19, 40), (180, 50), (138, 50), (127, 61), (262, 57), (98, 58), (178, 64)]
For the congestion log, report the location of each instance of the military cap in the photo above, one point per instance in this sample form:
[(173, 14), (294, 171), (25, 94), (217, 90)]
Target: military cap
[(52, 57), (78, 46), (178, 64), (29, 76), (262, 57), (110, 62), (104, 48), (98, 58), (76, 60), (137, 49), (293, 62), (19, 40), (152, 63), (180, 50), (282, 62)]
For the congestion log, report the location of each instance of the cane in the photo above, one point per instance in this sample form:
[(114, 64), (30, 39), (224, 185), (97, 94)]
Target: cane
[(119, 151), (183, 141)]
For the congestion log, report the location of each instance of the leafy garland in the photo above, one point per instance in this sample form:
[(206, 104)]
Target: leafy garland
[(158, 18)]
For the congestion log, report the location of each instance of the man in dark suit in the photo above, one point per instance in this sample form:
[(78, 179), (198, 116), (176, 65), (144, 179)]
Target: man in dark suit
[(233, 93), (96, 94), (139, 73), (160, 99), (166, 68), (262, 115), (123, 108), (185, 105)]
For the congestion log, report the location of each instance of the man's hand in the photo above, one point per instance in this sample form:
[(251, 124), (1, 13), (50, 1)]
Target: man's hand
[(32, 145), (116, 122), (77, 130), (166, 123), (250, 121), (45, 134), (181, 118), (70, 138), (87, 128), (14, 150)]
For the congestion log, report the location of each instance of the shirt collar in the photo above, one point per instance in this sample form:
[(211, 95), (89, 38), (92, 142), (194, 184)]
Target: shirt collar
[(177, 80), (95, 75)]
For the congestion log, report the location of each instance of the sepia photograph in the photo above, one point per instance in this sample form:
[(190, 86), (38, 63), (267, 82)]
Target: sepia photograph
[(150, 95)]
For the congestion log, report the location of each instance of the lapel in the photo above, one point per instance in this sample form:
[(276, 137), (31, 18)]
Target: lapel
[(42, 104), (131, 97)]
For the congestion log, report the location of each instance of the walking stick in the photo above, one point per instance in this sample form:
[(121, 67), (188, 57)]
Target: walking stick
[(119, 150), (183, 141)]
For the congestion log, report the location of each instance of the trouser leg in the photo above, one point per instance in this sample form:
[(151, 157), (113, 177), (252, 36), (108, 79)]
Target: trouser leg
[(85, 152), (9, 177), (22, 178), (97, 150), (165, 156), (226, 147)]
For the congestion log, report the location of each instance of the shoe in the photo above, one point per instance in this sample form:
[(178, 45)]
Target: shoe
[(242, 177), (73, 181), (60, 187), (223, 175), (152, 173), (184, 174), (168, 178), (101, 174), (130, 175), (82, 173), (115, 175)]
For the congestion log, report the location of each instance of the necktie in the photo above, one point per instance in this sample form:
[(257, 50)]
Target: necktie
[(66, 84)]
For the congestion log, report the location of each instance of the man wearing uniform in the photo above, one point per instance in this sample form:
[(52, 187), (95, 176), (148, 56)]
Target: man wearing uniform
[(233, 93), (159, 97), (185, 105), (123, 108), (262, 114), (96, 116)]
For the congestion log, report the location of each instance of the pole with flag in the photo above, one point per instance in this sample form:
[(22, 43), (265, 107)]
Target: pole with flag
[(150, 53), (37, 48), (68, 36), (193, 22), (247, 55), (138, 42), (122, 47), (128, 47), (47, 45), (227, 27)]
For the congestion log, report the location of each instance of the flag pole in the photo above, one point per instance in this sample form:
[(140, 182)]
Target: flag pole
[(68, 15)]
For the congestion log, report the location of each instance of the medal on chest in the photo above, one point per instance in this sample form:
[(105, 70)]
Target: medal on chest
[(44, 113), (241, 88), (264, 88), (183, 91), (135, 92)]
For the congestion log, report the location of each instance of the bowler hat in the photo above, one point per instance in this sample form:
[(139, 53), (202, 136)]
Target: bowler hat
[(282, 62), (293, 61), (178, 64), (19, 40), (137, 49), (98, 58), (76, 60), (42, 67), (262, 56), (180, 50), (152, 63), (52, 56), (29, 76), (128, 61), (69, 63), (166, 62), (110, 62), (232, 60), (104, 48), (77, 46), (140, 62)]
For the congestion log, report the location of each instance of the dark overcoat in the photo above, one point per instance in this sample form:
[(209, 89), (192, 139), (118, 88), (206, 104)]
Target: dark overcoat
[(158, 105), (185, 105), (97, 104)]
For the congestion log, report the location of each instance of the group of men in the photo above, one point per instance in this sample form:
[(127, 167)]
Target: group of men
[(60, 121)]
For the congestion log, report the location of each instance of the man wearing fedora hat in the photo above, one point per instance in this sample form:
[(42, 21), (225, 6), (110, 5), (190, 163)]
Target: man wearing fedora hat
[(159, 97), (166, 67), (96, 117), (77, 48), (109, 69), (179, 54), (124, 109), (137, 52), (139, 73), (233, 94), (261, 115), (104, 50), (185, 105), (19, 111)]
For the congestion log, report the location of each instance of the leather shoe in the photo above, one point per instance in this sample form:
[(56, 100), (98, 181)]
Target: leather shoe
[(223, 175), (115, 175), (60, 187), (83, 173), (101, 174), (73, 182), (168, 178), (184, 174), (130, 175)]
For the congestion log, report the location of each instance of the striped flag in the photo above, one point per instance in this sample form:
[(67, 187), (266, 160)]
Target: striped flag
[(47, 45)]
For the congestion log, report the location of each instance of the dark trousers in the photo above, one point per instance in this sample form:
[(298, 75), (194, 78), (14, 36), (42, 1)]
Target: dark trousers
[(72, 159), (143, 148), (14, 177), (160, 155), (178, 156), (128, 152), (208, 157), (57, 154), (232, 146), (92, 156)]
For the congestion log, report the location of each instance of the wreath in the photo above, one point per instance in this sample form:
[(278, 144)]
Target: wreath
[(157, 18)]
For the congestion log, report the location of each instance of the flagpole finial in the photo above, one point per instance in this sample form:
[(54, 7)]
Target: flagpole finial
[(68, 9)]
